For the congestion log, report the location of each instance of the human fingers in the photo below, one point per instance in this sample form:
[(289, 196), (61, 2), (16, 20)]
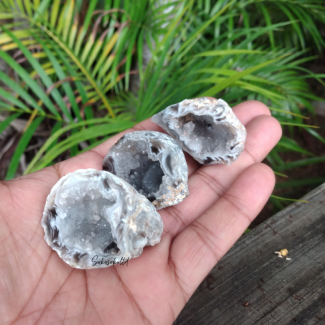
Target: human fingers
[(249, 110), (196, 250), (209, 183)]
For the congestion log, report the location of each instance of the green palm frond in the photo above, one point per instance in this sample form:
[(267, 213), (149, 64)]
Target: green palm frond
[(59, 78), (305, 17), (60, 35)]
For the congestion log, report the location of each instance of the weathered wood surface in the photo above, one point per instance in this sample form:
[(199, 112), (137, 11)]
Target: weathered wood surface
[(251, 285)]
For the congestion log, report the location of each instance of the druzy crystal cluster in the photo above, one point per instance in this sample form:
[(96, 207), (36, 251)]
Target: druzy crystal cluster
[(97, 218), (153, 163), (207, 129), (93, 215)]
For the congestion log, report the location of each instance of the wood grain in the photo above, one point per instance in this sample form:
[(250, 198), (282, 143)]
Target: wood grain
[(251, 285)]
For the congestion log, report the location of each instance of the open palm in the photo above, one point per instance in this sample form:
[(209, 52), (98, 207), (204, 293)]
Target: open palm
[(37, 287)]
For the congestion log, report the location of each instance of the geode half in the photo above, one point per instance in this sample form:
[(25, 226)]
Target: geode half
[(153, 163), (207, 129), (94, 219)]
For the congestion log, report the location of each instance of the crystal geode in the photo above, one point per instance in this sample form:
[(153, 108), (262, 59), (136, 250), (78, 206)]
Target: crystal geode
[(207, 129), (94, 219), (153, 163)]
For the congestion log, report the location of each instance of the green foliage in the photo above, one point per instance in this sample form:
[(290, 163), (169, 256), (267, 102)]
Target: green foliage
[(63, 66), (72, 59), (305, 17)]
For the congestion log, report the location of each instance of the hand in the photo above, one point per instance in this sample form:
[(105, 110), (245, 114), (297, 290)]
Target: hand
[(37, 287)]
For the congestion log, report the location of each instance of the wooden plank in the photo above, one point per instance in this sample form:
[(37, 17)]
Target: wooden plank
[(251, 285)]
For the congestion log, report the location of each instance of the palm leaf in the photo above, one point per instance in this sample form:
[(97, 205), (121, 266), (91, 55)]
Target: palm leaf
[(4, 124), (30, 82)]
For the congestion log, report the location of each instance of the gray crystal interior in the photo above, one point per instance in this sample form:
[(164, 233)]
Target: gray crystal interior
[(207, 129), (92, 216), (153, 163)]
